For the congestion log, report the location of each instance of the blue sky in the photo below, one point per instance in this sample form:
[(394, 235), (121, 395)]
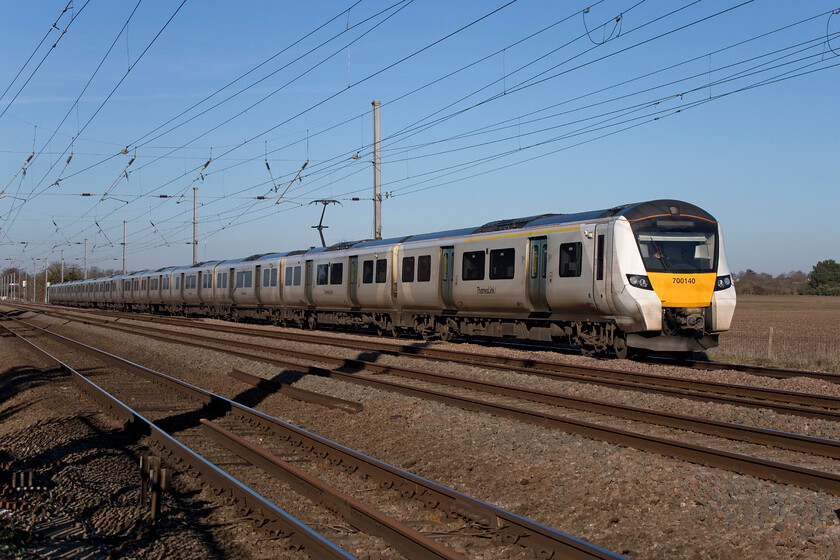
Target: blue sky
[(490, 110)]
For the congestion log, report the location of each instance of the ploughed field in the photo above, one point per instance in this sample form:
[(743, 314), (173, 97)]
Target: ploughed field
[(788, 331)]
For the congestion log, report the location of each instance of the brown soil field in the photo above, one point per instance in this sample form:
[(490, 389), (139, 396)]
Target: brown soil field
[(787, 331)]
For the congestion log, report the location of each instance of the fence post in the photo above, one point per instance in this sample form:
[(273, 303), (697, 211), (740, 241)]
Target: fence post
[(770, 345)]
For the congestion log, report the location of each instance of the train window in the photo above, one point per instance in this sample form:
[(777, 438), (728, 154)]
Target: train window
[(266, 278), (240, 279), (336, 273), (274, 277), (473, 266), (207, 281), (570, 259), (143, 284), (408, 269), (136, 284), (502, 264), (424, 268), (177, 282), (544, 259), (249, 276), (154, 284), (381, 271), (535, 260), (127, 286), (599, 268), (367, 272), (289, 273), (322, 276), (297, 276)]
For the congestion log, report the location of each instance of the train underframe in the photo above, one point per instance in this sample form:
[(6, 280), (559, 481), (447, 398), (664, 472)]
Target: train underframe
[(682, 334)]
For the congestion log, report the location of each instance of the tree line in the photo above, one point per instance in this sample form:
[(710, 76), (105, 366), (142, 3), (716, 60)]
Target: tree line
[(823, 280)]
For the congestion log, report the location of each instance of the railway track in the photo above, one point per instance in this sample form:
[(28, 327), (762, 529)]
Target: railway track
[(794, 403), (349, 370), (434, 353), (235, 428)]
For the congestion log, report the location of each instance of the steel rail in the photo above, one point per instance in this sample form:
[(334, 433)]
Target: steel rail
[(510, 527), (405, 539), (278, 523), (744, 464)]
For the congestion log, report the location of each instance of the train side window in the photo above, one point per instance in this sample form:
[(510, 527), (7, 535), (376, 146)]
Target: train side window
[(274, 277), (544, 259), (289, 273), (219, 280), (381, 271), (336, 273), (600, 264), (424, 268), (249, 275), (535, 260), (322, 276), (266, 278), (297, 276), (367, 272), (570, 254), (502, 264), (473, 266), (240, 279), (408, 269)]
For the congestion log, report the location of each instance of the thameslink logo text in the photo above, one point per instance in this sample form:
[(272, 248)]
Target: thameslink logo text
[(485, 291)]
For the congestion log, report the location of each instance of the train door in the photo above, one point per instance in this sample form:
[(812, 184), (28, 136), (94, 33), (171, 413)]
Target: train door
[(258, 283), (537, 257), (353, 275), (308, 281), (601, 268), (447, 276), (198, 287)]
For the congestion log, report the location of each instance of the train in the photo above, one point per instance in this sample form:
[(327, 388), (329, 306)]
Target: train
[(637, 278)]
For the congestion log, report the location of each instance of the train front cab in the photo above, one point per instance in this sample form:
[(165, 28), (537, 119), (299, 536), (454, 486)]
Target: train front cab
[(684, 288)]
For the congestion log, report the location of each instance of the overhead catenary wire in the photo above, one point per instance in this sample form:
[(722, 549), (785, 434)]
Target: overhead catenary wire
[(314, 169), (32, 74)]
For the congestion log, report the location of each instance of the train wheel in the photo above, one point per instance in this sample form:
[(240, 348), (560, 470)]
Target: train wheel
[(620, 348), (445, 332), (312, 323)]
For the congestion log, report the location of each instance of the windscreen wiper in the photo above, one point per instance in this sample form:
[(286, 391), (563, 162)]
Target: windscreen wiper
[(660, 254)]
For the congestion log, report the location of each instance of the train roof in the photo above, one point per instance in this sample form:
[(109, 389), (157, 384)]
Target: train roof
[(632, 212)]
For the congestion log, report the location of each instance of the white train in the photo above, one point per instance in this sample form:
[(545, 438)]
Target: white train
[(643, 276)]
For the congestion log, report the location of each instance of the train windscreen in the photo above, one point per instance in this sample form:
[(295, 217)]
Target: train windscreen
[(677, 244)]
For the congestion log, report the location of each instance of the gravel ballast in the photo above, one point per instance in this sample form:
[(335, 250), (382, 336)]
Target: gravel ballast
[(631, 502)]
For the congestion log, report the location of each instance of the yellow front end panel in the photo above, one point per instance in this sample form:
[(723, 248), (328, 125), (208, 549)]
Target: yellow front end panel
[(683, 290)]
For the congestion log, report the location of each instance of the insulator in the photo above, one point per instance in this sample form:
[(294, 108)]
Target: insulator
[(267, 166), (69, 158)]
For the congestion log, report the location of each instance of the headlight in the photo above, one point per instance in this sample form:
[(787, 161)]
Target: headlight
[(639, 281), (723, 282)]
